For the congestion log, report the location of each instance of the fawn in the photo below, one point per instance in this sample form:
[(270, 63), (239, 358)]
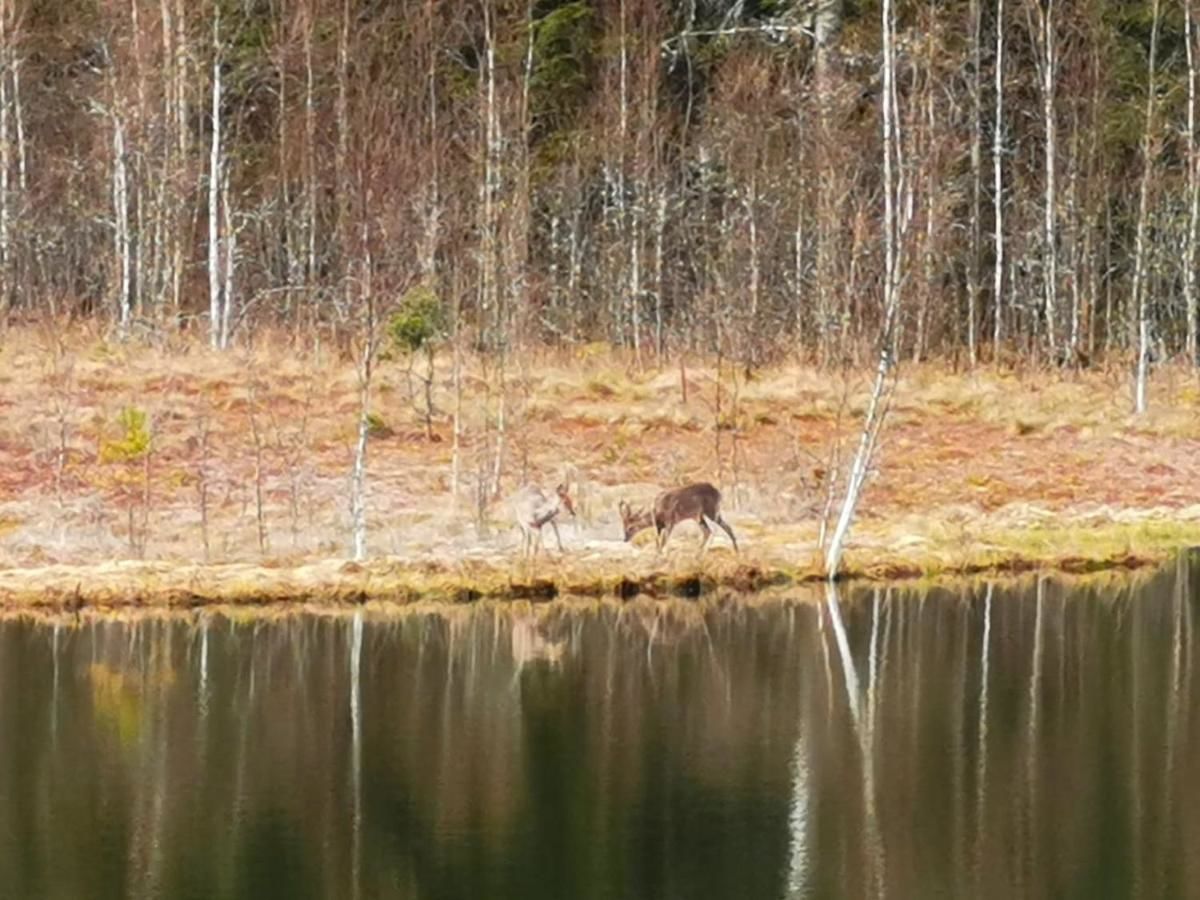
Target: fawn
[(532, 509)]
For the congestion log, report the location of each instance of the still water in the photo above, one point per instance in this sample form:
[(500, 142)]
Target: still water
[(1025, 740)]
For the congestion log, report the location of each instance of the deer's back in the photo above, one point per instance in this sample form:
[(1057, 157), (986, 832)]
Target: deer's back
[(688, 502), (527, 502)]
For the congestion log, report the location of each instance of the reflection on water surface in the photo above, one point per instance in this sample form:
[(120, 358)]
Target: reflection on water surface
[(1029, 740)]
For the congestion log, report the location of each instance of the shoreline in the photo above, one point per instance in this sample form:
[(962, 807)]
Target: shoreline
[(160, 585)]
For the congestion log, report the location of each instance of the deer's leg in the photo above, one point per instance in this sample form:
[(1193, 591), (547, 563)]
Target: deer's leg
[(729, 531), (664, 536), (707, 534), (557, 536)]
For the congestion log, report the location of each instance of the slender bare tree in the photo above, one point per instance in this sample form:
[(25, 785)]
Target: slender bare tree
[(216, 166), (1149, 145), (1193, 187), (895, 226), (998, 188)]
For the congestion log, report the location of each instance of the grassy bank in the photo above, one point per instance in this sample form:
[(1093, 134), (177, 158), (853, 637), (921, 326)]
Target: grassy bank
[(176, 476), (182, 586)]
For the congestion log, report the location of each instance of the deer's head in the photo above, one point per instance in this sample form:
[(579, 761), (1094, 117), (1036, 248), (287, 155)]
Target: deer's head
[(633, 520), (564, 500)]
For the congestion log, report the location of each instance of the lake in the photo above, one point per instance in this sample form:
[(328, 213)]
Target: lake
[(1022, 739)]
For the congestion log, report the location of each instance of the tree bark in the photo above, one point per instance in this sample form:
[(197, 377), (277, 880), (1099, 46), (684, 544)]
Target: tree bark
[(895, 223), (1139, 249), (998, 189), (976, 23), (1193, 187), (215, 167)]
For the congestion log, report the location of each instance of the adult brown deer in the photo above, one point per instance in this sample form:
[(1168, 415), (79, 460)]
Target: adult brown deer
[(700, 501), (532, 508)]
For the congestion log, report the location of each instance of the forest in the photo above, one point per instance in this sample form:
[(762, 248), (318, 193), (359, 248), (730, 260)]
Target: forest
[(656, 175)]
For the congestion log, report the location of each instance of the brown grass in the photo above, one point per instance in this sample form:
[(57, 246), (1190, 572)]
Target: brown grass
[(981, 472)]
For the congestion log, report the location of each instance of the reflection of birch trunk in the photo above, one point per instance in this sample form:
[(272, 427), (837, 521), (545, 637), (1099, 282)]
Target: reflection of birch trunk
[(356, 632), (1166, 813), (203, 667), (1136, 807), (981, 748), (798, 816), (864, 730), (1032, 732), (54, 657)]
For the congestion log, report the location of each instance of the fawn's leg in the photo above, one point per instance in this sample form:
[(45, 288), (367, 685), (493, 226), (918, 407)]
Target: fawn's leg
[(557, 536)]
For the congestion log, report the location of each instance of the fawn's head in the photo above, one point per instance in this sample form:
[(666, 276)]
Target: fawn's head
[(632, 520), (564, 500)]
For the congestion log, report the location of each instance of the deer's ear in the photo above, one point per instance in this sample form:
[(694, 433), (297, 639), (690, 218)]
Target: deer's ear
[(623, 509)]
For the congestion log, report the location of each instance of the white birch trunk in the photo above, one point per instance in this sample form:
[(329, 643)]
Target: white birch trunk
[(214, 192), (998, 188), (433, 211), (358, 476), (660, 227), (1189, 259), (287, 227), (1074, 226), (310, 175), (798, 261), (976, 20), (19, 123), (163, 212), (230, 261), (1139, 247), (1049, 235), (343, 128), (120, 199), (755, 275), (456, 446), (895, 223), (182, 149), (5, 161), (624, 215)]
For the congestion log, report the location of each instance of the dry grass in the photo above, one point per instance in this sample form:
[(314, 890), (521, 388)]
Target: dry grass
[(986, 471)]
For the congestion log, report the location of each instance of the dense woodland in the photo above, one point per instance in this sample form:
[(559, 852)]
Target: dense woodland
[(661, 175)]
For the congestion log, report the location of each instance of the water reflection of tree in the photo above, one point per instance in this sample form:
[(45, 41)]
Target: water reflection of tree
[(956, 742)]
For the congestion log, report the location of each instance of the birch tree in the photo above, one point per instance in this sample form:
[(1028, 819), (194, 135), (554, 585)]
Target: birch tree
[(895, 226), (1193, 186), (1149, 145), (1047, 66), (5, 158), (365, 372), (998, 188), (975, 18), (216, 166)]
